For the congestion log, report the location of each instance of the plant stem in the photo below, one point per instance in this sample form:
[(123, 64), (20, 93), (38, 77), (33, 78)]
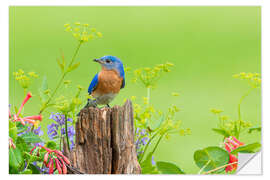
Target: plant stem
[(66, 131), (147, 145), (218, 168), (61, 136), (161, 136), (239, 110), (148, 96), (61, 79)]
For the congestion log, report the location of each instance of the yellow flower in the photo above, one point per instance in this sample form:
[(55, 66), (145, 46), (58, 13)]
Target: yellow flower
[(76, 29), (36, 124), (175, 94), (33, 74), (99, 34), (216, 111)]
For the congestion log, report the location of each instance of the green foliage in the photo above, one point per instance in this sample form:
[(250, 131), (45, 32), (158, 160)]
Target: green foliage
[(211, 158), (12, 130), (22, 145), (44, 90), (228, 127), (156, 123), (147, 166), (255, 128), (31, 137), (168, 168), (249, 148), (15, 158), (51, 144), (34, 169), (222, 132)]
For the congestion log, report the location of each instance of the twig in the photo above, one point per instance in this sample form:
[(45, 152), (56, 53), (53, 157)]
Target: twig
[(213, 170)]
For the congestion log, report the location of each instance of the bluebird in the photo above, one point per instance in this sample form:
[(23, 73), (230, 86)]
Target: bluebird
[(107, 83)]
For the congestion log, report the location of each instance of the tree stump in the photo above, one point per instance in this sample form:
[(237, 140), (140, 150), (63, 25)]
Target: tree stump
[(105, 141)]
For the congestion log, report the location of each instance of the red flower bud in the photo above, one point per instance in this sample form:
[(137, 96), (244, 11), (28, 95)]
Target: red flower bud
[(58, 166), (51, 166), (64, 168), (37, 117), (64, 157), (28, 96), (232, 167), (46, 159), (228, 147)]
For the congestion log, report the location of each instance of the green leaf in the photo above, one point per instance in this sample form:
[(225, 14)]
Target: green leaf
[(20, 143), (34, 169), (15, 158), (249, 148), (72, 67), (30, 137), (223, 132), (147, 167), (61, 65), (51, 145), (258, 128), (211, 158), (12, 130), (32, 158), (26, 171), (169, 168), (43, 88), (13, 170)]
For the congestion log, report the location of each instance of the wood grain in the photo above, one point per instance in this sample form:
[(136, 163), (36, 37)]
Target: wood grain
[(105, 141)]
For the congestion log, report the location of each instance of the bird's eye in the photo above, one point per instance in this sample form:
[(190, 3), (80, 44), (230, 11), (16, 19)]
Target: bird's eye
[(108, 61)]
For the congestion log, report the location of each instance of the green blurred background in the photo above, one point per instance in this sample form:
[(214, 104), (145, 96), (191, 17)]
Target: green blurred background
[(207, 45)]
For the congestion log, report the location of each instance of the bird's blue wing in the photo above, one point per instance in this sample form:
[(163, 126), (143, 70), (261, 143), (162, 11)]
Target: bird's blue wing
[(123, 83), (93, 84)]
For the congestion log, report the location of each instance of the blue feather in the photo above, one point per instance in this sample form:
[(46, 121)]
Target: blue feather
[(123, 83), (93, 84)]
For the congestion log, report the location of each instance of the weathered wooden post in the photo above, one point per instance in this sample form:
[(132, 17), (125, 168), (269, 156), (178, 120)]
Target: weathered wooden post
[(105, 141)]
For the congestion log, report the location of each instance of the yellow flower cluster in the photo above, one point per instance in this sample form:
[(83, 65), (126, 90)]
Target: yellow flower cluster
[(23, 78), (149, 76), (254, 79), (216, 111), (82, 32)]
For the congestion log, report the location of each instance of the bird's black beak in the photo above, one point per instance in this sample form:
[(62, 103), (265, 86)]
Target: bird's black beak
[(96, 60)]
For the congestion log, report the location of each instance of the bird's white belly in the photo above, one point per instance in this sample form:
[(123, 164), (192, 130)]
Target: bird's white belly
[(104, 99)]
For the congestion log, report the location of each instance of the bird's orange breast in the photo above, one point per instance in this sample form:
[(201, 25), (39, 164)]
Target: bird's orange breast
[(109, 81)]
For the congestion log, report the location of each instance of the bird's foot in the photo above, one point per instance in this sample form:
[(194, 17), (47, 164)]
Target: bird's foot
[(90, 103)]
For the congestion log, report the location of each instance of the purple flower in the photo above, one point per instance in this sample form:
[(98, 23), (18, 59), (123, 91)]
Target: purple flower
[(141, 140), (40, 143), (153, 161), (52, 130), (59, 118), (144, 140), (38, 131), (59, 123)]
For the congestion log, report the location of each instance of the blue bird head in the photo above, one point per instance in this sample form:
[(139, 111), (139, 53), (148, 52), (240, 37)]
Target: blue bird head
[(111, 63)]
